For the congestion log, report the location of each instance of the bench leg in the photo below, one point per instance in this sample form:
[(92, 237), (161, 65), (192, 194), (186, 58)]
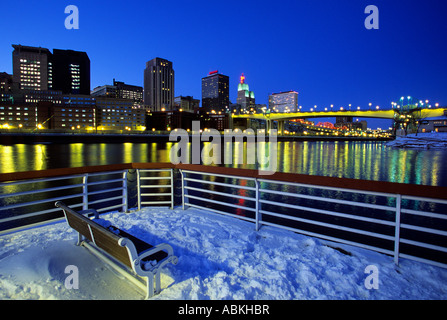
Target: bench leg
[(150, 286), (80, 239), (157, 282)]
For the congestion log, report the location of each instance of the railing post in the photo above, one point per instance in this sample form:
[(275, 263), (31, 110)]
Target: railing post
[(258, 204), (183, 189), (85, 192), (172, 189), (138, 190), (125, 197), (397, 229)]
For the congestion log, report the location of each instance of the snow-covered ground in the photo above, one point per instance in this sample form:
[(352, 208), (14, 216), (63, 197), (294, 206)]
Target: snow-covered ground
[(219, 258), (421, 140)]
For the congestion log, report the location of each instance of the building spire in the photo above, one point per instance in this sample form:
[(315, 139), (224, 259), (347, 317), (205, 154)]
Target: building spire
[(242, 78)]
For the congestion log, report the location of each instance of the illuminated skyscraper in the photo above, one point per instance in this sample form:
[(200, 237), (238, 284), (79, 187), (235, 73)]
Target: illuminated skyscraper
[(159, 85), (245, 97), (216, 92)]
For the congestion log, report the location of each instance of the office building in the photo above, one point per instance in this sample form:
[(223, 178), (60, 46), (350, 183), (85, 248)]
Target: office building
[(75, 112), (70, 71), (37, 109), (119, 114), (186, 104), (245, 97), (32, 67), (128, 91), (6, 83), (159, 85), (216, 93), (104, 91), (284, 102)]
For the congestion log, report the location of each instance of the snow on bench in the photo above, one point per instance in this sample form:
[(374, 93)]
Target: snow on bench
[(120, 249)]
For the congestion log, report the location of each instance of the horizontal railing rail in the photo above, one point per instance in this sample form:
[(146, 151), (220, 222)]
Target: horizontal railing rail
[(405, 221)]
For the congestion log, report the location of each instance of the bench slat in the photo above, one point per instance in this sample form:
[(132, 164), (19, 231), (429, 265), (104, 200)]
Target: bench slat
[(108, 242)]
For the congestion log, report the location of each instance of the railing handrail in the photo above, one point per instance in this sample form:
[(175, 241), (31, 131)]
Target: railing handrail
[(414, 190), (58, 172), (434, 192)]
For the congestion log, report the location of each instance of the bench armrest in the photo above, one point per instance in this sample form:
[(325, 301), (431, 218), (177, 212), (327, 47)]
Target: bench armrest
[(161, 247)]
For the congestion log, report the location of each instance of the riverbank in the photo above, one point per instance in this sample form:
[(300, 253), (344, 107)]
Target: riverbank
[(421, 141), (66, 138)]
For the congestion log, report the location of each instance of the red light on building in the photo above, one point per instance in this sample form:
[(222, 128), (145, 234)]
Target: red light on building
[(213, 72), (242, 78)]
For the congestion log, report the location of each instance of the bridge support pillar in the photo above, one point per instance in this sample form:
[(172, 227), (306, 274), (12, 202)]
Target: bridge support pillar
[(230, 122), (268, 125), (281, 127)]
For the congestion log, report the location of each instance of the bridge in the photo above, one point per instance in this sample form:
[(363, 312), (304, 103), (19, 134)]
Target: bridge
[(392, 114)]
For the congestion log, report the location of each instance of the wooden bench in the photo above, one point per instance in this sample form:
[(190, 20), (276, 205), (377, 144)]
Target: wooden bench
[(129, 255)]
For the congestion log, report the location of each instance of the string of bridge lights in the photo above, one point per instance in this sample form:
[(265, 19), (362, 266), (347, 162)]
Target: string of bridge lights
[(394, 105)]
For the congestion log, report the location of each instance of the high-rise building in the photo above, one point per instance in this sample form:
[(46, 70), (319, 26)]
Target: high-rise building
[(71, 72), (245, 97), (216, 92), (32, 67), (159, 85), (283, 102)]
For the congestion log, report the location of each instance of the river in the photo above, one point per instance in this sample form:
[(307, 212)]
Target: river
[(367, 160)]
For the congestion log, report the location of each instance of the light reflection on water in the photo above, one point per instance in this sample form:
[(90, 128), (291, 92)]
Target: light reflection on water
[(358, 160)]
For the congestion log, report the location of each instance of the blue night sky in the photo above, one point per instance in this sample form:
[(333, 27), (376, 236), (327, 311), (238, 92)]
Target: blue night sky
[(319, 48)]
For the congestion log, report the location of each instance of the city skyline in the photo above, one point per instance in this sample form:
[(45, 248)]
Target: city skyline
[(320, 49)]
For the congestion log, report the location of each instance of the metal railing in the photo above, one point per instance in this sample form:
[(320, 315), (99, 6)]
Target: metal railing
[(404, 221), (27, 198), (368, 219), (103, 191), (151, 182)]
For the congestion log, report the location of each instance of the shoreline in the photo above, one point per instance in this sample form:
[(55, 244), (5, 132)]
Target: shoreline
[(420, 141), (64, 138)]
